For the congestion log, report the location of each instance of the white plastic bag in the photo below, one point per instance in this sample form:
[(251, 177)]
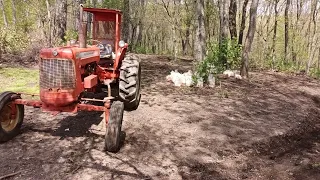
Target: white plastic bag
[(200, 82), (238, 76), (211, 81), (188, 78), (179, 79), (229, 73)]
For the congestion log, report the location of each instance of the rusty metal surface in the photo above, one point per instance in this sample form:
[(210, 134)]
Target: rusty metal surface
[(83, 35), (72, 108), (95, 100), (34, 103), (88, 107)]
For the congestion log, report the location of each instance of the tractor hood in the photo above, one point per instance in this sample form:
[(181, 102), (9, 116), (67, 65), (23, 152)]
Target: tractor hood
[(57, 53), (84, 55)]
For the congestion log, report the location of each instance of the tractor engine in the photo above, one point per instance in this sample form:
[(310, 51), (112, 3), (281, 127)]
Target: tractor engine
[(62, 72)]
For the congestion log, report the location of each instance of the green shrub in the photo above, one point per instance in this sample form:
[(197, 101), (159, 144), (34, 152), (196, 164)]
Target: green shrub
[(141, 50), (281, 65), (71, 34), (221, 57), (13, 40), (315, 72)]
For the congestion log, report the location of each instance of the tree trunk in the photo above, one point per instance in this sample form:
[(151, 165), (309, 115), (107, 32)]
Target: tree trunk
[(126, 20), (293, 54), (89, 18), (233, 19), (49, 23), (223, 20), (312, 34), (140, 24), (174, 28), (267, 45), (318, 68), (274, 38), (295, 31), (137, 25), (200, 38), (5, 20), (224, 30), (14, 14), (186, 41), (61, 19), (243, 21), (249, 39), (286, 31)]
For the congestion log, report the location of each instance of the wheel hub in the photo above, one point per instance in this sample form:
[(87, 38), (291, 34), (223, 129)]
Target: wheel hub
[(8, 120)]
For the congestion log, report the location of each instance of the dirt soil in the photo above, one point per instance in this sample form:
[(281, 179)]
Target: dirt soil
[(268, 128)]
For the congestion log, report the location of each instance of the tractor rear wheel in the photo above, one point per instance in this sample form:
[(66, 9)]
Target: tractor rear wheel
[(129, 82), (11, 116), (113, 130)]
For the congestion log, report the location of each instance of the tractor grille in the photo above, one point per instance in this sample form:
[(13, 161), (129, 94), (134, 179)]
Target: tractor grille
[(57, 73)]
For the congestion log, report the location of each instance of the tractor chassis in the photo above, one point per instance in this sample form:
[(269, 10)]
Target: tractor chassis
[(73, 108), (12, 112)]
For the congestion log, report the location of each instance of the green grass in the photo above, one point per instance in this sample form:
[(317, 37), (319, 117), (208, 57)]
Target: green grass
[(19, 80)]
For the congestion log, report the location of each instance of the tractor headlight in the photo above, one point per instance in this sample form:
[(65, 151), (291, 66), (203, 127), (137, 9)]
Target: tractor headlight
[(121, 44)]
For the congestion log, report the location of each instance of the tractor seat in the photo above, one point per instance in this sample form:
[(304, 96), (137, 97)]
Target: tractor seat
[(106, 62)]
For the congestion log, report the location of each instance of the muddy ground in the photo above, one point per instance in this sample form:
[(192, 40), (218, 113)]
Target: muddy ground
[(268, 128)]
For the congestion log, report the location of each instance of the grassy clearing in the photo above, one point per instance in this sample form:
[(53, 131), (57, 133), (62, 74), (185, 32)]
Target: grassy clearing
[(19, 80)]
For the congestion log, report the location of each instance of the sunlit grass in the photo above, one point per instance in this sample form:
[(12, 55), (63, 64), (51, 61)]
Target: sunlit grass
[(19, 80)]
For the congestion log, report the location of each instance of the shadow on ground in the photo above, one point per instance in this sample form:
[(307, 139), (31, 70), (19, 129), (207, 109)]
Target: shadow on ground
[(265, 128), (258, 123)]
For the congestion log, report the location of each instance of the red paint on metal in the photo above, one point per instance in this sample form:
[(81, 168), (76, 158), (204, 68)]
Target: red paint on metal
[(105, 74), (58, 98), (96, 10), (62, 53), (71, 108), (34, 103), (117, 35), (81, 57), (106, 117), (66, 100), (120, 56), (13, 110), (88, 107), (90, 81), (107, 105), (108, 15)]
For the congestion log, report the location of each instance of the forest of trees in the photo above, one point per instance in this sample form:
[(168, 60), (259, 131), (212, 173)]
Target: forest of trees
[(230, 34)]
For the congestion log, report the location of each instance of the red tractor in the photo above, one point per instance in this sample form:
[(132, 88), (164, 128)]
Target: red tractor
[(70, 76)]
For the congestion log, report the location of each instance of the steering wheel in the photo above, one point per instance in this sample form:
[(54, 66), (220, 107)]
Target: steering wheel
[(99, 44)]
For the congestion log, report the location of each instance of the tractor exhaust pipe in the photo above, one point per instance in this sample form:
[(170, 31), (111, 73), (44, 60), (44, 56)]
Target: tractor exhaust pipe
[(83, 35), (82, 31)]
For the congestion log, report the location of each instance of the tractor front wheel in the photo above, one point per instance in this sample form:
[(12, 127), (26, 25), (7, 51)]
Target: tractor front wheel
[(113, 130), (11, 116), (129, 82)]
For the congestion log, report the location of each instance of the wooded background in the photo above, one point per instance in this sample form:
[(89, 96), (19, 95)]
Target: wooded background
[(230, 34)]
